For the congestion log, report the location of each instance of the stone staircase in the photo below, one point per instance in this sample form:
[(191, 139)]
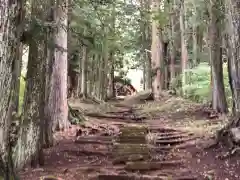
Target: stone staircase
[(139, 159)]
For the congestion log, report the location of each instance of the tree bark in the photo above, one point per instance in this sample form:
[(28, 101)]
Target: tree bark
[(84, 72), (219, 98), (184, 51), (58, 92), (111, 87), (29, 145), (144, 29), (18, 54), (9, 37), (233, 28), (172, 44), (157, 56), (17, 75), (195, 39)]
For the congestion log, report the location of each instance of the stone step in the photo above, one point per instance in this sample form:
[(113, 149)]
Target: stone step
[(123, 159), (174, 136), (94, 140), (162, 130), (172, 133), (131, 139), (123, 149), (147, 166), (129, 177), (133, 130), (142, 177), (172, 141)]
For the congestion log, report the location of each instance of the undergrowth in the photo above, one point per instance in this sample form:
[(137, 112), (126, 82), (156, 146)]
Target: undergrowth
[(198, 87)]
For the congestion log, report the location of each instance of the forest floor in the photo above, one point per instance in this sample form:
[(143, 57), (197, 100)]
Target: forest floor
[(166, 140)]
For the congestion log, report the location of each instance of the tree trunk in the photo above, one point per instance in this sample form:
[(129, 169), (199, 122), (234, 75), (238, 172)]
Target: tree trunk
[(84, 72), (18, 55), (166, 66), (194, 39), (58, 93), (147, 45), (229, 135), (9, 38), (157, 56), (111, 87), (79, 75), (29, 145), (184, 52), (17, 75), (172, 44), (200, 39), (219, 99), (48, 123), (105, 70), (145, 40), (195, 46), (233, 28)]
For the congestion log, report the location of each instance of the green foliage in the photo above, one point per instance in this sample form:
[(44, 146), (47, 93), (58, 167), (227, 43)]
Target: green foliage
[(122, 79), (198, 87)]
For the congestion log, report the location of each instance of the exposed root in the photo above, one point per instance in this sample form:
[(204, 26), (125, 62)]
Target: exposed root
[(75, 116), (123, 117), (143, 166), (96, 100)]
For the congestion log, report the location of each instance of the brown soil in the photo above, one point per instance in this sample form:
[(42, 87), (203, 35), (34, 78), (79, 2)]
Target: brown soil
[(175, 147)]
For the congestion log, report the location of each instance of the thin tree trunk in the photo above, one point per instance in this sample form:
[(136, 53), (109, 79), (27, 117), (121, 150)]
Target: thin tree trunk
[(111, 88), (194, 39), (84, 72), (184, 52), (105, 70), (172, 45), (199, 43), (148, 46), (79, 79)]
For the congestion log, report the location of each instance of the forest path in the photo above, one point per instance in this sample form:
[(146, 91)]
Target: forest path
[(151, 141)]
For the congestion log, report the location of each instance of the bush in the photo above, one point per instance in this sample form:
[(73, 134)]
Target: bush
[(197, 87)]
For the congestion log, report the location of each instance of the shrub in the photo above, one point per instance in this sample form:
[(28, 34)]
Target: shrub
[(197, 87)]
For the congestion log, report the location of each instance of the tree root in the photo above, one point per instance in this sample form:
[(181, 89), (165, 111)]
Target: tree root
[(75, 116), (225, 138), (128, 117), (230, 153)]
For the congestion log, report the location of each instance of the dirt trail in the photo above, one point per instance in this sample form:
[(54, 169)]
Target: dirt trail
[(163, 141)]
